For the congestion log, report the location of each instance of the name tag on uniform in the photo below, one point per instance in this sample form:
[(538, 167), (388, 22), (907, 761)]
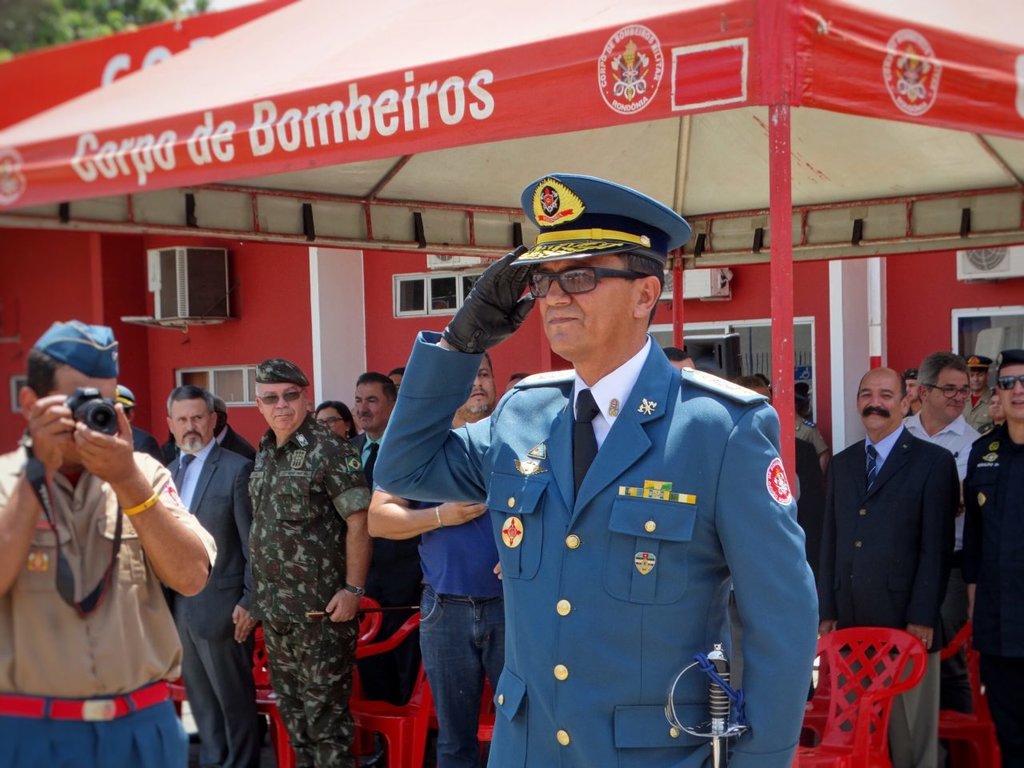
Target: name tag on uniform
[(658, 490)]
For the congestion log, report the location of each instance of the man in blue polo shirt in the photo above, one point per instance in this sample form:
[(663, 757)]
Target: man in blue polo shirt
[(462, 633)]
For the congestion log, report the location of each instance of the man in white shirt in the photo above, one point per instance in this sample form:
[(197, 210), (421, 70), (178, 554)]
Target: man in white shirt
[(944, 388)]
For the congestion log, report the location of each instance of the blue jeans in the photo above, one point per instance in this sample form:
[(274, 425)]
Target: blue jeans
[(462, 639)]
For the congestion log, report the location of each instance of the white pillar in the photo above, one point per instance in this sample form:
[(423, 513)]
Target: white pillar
[(850, 345), (339, 321)]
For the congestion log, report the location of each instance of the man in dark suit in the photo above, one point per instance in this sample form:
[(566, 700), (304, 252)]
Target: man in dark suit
[(215, 625), (886, 548), (395, 578), (226, 436)]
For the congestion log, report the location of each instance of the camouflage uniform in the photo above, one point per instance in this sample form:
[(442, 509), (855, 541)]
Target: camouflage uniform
[(302, 492)]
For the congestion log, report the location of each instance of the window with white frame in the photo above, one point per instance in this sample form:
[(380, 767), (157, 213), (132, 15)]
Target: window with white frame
[(235, 384), (17, 382), (755, 344), (988, 330), (437, 293)]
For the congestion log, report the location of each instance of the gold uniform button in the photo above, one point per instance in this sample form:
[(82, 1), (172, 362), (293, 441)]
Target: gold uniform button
[(563, 737), (650, 526), (863, 512), (501, 699), (563, 607), (673, 732), (511, 502), (561, 672), (572, 541), (858, 544)]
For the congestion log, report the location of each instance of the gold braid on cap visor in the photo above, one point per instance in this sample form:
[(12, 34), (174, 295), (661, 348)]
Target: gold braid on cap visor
[(593, 234)]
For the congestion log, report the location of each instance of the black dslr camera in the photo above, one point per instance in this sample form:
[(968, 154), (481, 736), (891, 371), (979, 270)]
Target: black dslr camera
[(92, 409)]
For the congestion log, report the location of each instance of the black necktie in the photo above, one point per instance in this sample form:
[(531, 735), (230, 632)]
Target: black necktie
[(183, 462), (371, 459), (584, 443), (872, 472)]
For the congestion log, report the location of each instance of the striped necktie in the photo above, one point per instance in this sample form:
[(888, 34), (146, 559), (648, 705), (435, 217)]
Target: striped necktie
[(872, 466)]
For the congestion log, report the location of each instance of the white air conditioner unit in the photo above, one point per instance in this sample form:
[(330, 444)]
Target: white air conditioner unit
[(990, 263), (447, 261), (189, 283), (711, 283)]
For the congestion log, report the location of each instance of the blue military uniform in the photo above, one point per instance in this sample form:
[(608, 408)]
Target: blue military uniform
[(610, 594)]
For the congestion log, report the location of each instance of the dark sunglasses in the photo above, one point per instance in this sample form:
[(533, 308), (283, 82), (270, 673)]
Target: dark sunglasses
[(578, 280), (272, 398), (1007, 382)]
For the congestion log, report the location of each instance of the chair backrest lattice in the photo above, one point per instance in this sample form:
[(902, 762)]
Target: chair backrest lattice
[(867, 667)]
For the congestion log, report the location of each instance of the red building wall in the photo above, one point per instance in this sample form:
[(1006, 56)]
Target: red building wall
[(921, 293)]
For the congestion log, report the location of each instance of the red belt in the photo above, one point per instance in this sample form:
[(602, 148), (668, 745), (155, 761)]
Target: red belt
[(41, 707)]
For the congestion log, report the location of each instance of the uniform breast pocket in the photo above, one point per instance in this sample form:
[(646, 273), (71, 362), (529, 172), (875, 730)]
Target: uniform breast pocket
[(290, 501), (40, 571), (514, 502), (131, 559), (648, 549)]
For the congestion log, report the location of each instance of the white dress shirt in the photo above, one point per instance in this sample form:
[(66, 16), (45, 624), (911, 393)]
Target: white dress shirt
[(617, 386)]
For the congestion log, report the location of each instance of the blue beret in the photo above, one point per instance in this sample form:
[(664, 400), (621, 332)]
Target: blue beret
[(90, 349), (582, 216)]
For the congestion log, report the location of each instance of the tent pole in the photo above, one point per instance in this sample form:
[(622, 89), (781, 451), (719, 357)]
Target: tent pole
[(677, 301), (781, 274)]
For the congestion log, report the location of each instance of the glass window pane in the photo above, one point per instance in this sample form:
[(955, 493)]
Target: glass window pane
[(411, 295), (467, 285), (251, 394), (442, 293), (228, 384), (195, 378)]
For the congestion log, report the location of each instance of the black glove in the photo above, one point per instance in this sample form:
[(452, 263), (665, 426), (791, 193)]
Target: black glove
[(494, 308)]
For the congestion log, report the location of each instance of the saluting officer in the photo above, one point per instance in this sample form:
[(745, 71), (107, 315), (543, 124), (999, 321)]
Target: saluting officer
[(309, 551), (620, 529), (88, 530), (994, 557)]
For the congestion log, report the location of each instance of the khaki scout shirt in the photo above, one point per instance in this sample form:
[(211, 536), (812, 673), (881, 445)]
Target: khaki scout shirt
[(46, 648), (301, 495)]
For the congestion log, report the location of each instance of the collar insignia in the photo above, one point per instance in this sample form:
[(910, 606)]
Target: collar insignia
[(647, 407), (613, 408)]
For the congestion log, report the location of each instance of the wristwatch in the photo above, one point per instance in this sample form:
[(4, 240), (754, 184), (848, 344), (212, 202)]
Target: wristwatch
[(357, 591)]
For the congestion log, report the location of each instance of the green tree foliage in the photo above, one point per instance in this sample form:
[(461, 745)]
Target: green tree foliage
[(29, 24)]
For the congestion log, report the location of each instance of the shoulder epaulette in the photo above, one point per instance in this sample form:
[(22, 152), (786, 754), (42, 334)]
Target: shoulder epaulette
[(720, 386), (547, 379)]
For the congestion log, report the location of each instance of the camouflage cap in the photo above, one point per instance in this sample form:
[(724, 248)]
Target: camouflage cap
[(277, 370)]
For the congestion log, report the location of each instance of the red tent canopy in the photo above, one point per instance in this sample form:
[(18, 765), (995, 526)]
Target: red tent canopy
[(890, 129)]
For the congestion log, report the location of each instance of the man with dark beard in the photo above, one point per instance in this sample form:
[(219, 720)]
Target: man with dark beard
[(462, 634), (886, 548)]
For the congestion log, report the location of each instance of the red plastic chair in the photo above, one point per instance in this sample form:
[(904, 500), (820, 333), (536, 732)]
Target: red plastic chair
[(972, 737), (266, 703), (404, 727), (816, 711), (867, 668)]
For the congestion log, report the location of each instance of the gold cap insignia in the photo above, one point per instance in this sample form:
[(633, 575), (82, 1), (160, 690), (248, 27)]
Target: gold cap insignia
[(555, 204)]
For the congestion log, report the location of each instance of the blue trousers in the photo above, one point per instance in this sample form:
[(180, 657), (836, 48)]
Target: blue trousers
[(462, 639), (150, 738)]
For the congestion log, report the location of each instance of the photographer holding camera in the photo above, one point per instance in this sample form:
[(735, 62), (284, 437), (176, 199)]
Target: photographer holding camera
[(88, 530)]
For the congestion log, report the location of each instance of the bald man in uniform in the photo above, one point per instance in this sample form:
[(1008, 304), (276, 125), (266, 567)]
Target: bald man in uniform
[(88, 531)]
